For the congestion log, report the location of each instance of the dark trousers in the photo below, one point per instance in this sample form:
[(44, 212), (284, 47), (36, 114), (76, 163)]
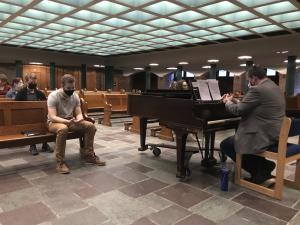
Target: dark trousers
[(251, 163)]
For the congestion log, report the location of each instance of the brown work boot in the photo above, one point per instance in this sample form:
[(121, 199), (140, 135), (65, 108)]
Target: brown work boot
[(62, 168), (93, 159)]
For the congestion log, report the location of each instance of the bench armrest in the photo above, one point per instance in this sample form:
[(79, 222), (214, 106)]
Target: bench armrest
[(84, 110)]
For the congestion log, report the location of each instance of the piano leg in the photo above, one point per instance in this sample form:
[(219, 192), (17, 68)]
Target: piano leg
[(209, 160), (143, 128), (212, 159), (181, 136)]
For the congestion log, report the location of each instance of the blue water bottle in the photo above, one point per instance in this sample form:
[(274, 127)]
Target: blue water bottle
[(224, 177)]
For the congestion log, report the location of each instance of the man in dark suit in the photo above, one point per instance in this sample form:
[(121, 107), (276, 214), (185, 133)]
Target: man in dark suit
[(30, 93), (262, 110)]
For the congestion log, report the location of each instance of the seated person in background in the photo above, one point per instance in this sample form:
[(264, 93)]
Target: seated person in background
[(262, 110), (30, 93), (4, 85), (16, 85), (64, 114)]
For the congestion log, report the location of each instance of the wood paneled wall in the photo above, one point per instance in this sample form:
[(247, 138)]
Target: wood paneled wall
[(91, 79), (42, 73), (94, 76)]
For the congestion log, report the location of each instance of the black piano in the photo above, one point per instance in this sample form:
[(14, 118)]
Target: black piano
[(180, 112)]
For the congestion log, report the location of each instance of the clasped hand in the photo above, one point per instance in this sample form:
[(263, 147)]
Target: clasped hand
[(74, 121)]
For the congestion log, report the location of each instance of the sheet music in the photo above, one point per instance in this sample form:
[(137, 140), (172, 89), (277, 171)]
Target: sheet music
[(204, 90), (214, 89)]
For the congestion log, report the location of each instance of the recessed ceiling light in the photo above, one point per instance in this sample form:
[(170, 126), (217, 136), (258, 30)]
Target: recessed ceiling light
[(153, 64), (206, 67), (282, 52), (99, 66), (243, 57), (138, 68), (297, 61), (213, 60), (35, 63), (171, 68), (243, 65), (183, 63)]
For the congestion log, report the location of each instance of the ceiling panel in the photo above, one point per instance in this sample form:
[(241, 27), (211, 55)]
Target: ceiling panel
[(110, 27)]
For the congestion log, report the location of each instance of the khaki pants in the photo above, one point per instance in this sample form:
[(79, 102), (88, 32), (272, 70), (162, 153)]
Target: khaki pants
[(61, 130)]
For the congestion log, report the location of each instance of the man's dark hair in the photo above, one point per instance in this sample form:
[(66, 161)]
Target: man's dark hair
[(256, 71), (66, 79)]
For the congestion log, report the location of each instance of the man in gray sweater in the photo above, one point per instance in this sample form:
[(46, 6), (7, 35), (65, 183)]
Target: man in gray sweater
[(262, 110)]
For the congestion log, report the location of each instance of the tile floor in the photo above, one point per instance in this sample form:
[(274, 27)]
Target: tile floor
[(134, 188)]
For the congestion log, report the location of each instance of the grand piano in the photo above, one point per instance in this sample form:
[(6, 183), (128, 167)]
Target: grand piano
[(180, 112)]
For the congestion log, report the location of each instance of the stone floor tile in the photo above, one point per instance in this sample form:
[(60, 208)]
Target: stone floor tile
[(295, 220), (88, 216), (59, 182), (154, 201), (103, 181), (120, 208), (183, 195), (195, 220), (33, 174), (12, 162), (12, 182), (247, 216), (139, 167), (63, 203), (201, 180), (216, 208), (164, 176), (27, 215), (16, 199), (265, 206), (87, 192), (169, 215), (233, 190), (143, 221), (127, 174), (143, 187), (289, 196), (297, 205)]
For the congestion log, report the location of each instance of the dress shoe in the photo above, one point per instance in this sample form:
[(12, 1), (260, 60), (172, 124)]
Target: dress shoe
[(33, 150), (270, 167), (93, 159), (62, 168), (46, 148), (259, 178)]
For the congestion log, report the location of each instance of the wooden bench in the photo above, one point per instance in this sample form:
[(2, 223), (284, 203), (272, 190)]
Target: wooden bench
[(113, 103), (94, 99), (163, 133), (293, 106), (134, 126), (17, 117)]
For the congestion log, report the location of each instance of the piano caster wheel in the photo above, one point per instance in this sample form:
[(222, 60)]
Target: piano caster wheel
[(156, 151)]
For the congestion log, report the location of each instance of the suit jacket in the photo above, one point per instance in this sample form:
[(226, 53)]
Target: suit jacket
[(262, 111), (22, 95)]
